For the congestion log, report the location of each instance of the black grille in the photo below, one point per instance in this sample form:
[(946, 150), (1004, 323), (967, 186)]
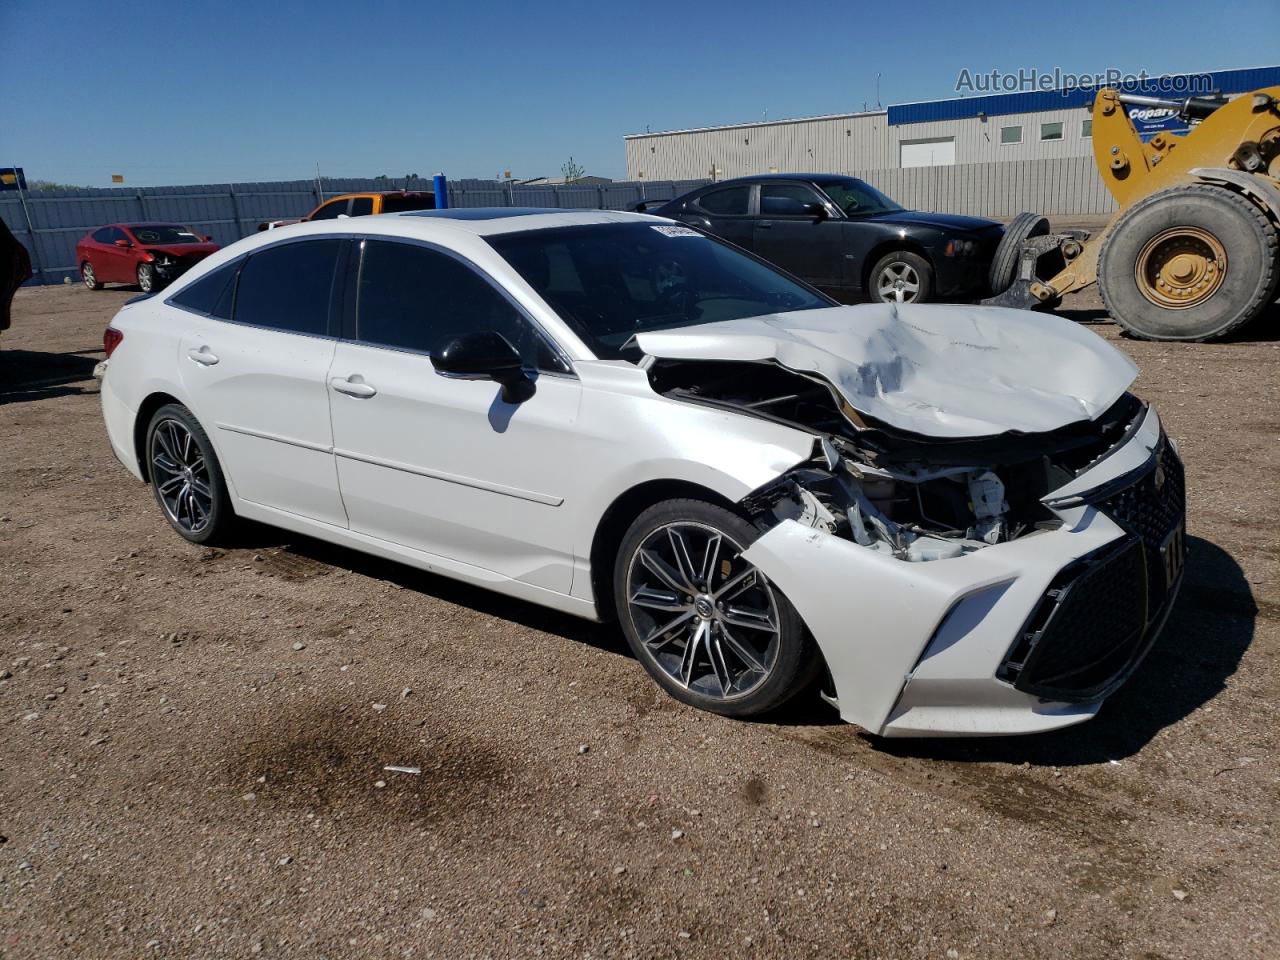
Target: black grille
[(1152, 509), (1100, 614)]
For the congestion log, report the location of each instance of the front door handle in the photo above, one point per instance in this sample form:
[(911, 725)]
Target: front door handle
[(203, 356), (764, 224), (353, 386)]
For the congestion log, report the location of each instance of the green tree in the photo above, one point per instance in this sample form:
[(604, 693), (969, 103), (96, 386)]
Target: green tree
[(572, 172)]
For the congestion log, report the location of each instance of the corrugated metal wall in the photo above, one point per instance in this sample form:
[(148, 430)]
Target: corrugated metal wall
[(227, 212), (853, 144), (1066, 187)]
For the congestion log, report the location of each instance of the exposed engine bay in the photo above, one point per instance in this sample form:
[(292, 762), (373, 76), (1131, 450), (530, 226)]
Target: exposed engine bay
[(913, 497)]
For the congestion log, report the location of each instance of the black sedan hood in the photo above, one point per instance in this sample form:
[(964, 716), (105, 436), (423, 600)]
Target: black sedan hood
[(943, 221)]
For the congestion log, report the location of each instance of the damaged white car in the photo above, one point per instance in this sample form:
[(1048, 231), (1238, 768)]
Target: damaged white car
[(957, 520)]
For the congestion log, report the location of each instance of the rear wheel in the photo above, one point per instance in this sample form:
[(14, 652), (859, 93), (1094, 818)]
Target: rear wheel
[(146, 277), (707, 626), (185, 476), (89, 276), (1189, 263), (901, 277)]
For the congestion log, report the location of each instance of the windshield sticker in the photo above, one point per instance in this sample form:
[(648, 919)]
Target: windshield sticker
[(675, 230)]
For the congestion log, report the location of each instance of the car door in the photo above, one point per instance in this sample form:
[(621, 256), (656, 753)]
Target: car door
[(117, 260), (254, 369), (789, 234), (445, 465), (723, 210)]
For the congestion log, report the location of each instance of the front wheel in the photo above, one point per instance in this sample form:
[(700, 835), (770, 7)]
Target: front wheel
[(901, 277), (185, 476), (1189, 263), (146, 277), (709, 627)]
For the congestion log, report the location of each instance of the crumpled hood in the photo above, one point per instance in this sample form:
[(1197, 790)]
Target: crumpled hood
[(940, 370)]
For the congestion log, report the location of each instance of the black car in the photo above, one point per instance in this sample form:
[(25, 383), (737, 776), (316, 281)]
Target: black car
[(844, 236)]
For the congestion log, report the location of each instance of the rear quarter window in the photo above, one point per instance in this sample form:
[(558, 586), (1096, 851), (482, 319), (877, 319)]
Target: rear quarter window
[(211, 294)]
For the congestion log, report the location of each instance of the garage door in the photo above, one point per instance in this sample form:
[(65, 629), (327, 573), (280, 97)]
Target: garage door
[(939, 152)]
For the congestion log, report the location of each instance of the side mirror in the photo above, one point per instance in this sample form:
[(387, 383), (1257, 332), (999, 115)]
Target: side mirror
[(123, 243), (485, 356), (815, 210), (208, 239)]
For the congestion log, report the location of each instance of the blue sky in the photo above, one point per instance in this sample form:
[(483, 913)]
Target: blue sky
[(177, 92)]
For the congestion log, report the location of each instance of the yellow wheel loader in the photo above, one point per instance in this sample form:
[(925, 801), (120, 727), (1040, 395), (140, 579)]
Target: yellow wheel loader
[(1192, 253)]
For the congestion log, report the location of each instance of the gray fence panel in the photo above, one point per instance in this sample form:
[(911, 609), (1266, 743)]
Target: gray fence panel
[(227, 212)]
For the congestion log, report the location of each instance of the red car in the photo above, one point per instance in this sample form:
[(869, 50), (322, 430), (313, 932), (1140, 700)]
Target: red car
[(148, 254)]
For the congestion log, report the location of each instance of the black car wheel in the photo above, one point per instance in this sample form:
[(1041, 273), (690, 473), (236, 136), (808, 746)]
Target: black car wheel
[(706, 624), (901, 277), (186, 477), (1008, 255)]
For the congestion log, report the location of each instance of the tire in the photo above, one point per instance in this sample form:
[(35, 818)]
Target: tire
[(901, 265), (89, 276), (147, 281), (1193, 225), (1004, 265), (652, 590), (201, 517)]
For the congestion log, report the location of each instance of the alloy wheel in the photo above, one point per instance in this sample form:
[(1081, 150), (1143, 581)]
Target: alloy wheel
[(899, 282), (87, 275), (180, 473), (146, 278), (707, 617)]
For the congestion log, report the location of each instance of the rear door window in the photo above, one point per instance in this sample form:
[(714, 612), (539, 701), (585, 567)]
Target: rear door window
[(398, 203), (361, 206), (289, 287), (727, 202), (102, 236)]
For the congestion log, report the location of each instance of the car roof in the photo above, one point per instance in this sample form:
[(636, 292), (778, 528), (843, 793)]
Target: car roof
[(144, 223), (818, 178), (384, 193), (487, 221)]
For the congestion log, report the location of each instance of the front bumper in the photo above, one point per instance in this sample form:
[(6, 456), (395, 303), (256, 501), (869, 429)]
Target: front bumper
[(1019, 637)]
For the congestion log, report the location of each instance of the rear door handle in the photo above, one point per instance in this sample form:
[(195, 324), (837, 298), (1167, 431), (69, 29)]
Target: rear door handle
[(203, 356), (353, 386), (764, 224)]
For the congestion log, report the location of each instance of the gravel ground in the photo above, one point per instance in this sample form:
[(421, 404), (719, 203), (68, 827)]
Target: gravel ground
[(193, 742)]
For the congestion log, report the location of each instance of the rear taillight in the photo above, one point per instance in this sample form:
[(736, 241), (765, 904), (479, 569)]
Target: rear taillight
[(111, 338)]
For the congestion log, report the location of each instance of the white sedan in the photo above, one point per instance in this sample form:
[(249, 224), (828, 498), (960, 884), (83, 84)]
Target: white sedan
[(950, 520)]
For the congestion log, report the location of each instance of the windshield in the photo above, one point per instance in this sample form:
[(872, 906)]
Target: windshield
[(165, 233), (858, 199), (611, 281)]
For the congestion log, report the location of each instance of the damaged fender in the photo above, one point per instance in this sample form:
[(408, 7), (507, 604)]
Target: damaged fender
[(875, 617)]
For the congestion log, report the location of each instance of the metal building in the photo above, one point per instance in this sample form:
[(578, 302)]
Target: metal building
[(1038, 125)]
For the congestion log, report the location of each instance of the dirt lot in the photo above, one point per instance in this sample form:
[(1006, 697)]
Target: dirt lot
[(192, 743)]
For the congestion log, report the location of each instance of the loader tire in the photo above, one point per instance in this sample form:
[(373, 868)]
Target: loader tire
[(1004, 265), (1189, 263)]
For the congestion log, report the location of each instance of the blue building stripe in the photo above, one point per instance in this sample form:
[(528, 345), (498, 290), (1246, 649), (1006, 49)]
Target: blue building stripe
[(1035, 101)]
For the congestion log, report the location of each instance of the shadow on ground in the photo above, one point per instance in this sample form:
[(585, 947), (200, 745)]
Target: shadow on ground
[(602, 636), (1211, 626), (1209, 629), (27, 375)]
